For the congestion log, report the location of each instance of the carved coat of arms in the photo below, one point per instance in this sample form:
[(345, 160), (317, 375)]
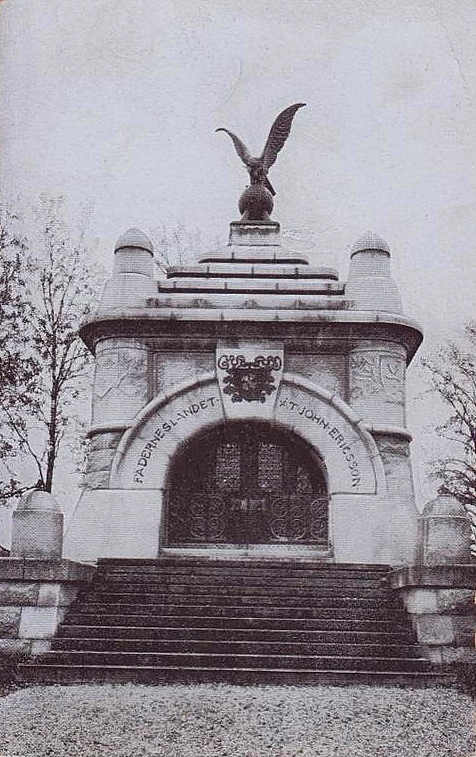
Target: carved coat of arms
[(249, 380)]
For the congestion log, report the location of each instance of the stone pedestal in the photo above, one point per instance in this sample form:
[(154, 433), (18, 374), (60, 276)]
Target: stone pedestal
[(445, 532), (37, 527), (440, 601)]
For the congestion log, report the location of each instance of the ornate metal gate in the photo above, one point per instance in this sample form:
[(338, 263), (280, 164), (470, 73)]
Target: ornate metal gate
[(247, 483)]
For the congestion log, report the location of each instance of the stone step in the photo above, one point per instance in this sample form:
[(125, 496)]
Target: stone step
[(283, 661), (203, 561), (297, 562), (233, 305), (247, 270), (257, 255), (245, 621), (231, 632), (275, 600), (227, 647), (262, 285), (67, 674), (243, 586), (240, 578), (263, 621), (225, 580), (239, 611), (234, 568)]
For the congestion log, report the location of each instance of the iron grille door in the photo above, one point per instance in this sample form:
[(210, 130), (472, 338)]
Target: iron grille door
[(247, 483)]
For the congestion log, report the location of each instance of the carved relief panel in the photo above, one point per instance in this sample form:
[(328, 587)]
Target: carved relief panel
[(120, 383), (395, 454), (171, 368), (249, 376), (377, 384)]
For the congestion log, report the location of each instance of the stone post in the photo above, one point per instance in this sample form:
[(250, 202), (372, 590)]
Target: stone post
[(37, 527), (445, 532)]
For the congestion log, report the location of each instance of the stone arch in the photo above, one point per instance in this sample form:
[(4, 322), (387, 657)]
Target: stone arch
[(322, 419)]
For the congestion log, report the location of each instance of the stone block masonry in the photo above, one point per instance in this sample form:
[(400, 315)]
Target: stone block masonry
[(440, 600), (34, 596)]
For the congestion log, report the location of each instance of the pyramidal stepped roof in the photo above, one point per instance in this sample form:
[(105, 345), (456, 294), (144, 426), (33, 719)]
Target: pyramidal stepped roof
[(254, 262), (255, 278), (255, 271)]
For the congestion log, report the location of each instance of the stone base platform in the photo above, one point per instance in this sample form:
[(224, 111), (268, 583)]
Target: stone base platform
[(440, 600)]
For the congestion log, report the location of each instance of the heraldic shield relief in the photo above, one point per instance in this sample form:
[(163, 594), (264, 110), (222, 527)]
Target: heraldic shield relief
[(251, 381), (247, 376)]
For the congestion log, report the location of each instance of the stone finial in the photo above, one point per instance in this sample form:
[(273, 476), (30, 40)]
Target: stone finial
[(370, 285), (370, 241), (445, 532), (444, 506), (134, 253), (37, 527), (132, 282), (134, 238)]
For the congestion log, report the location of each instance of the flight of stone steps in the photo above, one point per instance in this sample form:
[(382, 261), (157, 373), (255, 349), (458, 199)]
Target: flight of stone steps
[(234, 621)]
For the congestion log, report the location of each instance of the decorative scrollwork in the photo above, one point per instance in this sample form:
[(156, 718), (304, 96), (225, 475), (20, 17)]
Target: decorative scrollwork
[(228, 362), (289, 521), (318, 520), (206, 517), (247, 486)]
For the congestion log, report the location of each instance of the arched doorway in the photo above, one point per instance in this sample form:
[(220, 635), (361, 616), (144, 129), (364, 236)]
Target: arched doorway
[(246, 482)]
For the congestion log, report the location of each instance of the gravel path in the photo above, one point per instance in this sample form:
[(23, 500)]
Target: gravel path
[(229, 721)]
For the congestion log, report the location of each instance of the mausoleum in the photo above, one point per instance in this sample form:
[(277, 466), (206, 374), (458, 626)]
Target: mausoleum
[(250, 403), (248, 512)]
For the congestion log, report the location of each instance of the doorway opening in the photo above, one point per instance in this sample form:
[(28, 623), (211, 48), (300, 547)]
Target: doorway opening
[(245, 483)]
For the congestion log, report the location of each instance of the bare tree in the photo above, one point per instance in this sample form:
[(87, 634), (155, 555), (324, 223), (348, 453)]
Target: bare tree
[(18, 364), (63, 282), (176, 246), (452, 375)]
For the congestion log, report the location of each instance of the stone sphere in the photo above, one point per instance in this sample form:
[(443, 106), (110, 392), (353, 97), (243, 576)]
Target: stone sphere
[(257, 202), (38, 500)]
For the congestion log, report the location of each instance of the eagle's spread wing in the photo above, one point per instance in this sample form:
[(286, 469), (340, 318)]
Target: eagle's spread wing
[(278, 135), (240, 148)]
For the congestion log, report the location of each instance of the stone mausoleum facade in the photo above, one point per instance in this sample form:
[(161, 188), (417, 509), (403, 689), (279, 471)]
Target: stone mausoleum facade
[(249, 478), (249, 404)]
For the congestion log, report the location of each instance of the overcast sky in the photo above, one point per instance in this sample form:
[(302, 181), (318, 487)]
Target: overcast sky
[(114, 103)]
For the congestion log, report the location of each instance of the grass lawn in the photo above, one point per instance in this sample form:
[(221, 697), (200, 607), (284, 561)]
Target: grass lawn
[(230, 721)]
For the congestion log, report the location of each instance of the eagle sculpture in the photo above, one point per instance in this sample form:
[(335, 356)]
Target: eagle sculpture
[(258, 167)]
